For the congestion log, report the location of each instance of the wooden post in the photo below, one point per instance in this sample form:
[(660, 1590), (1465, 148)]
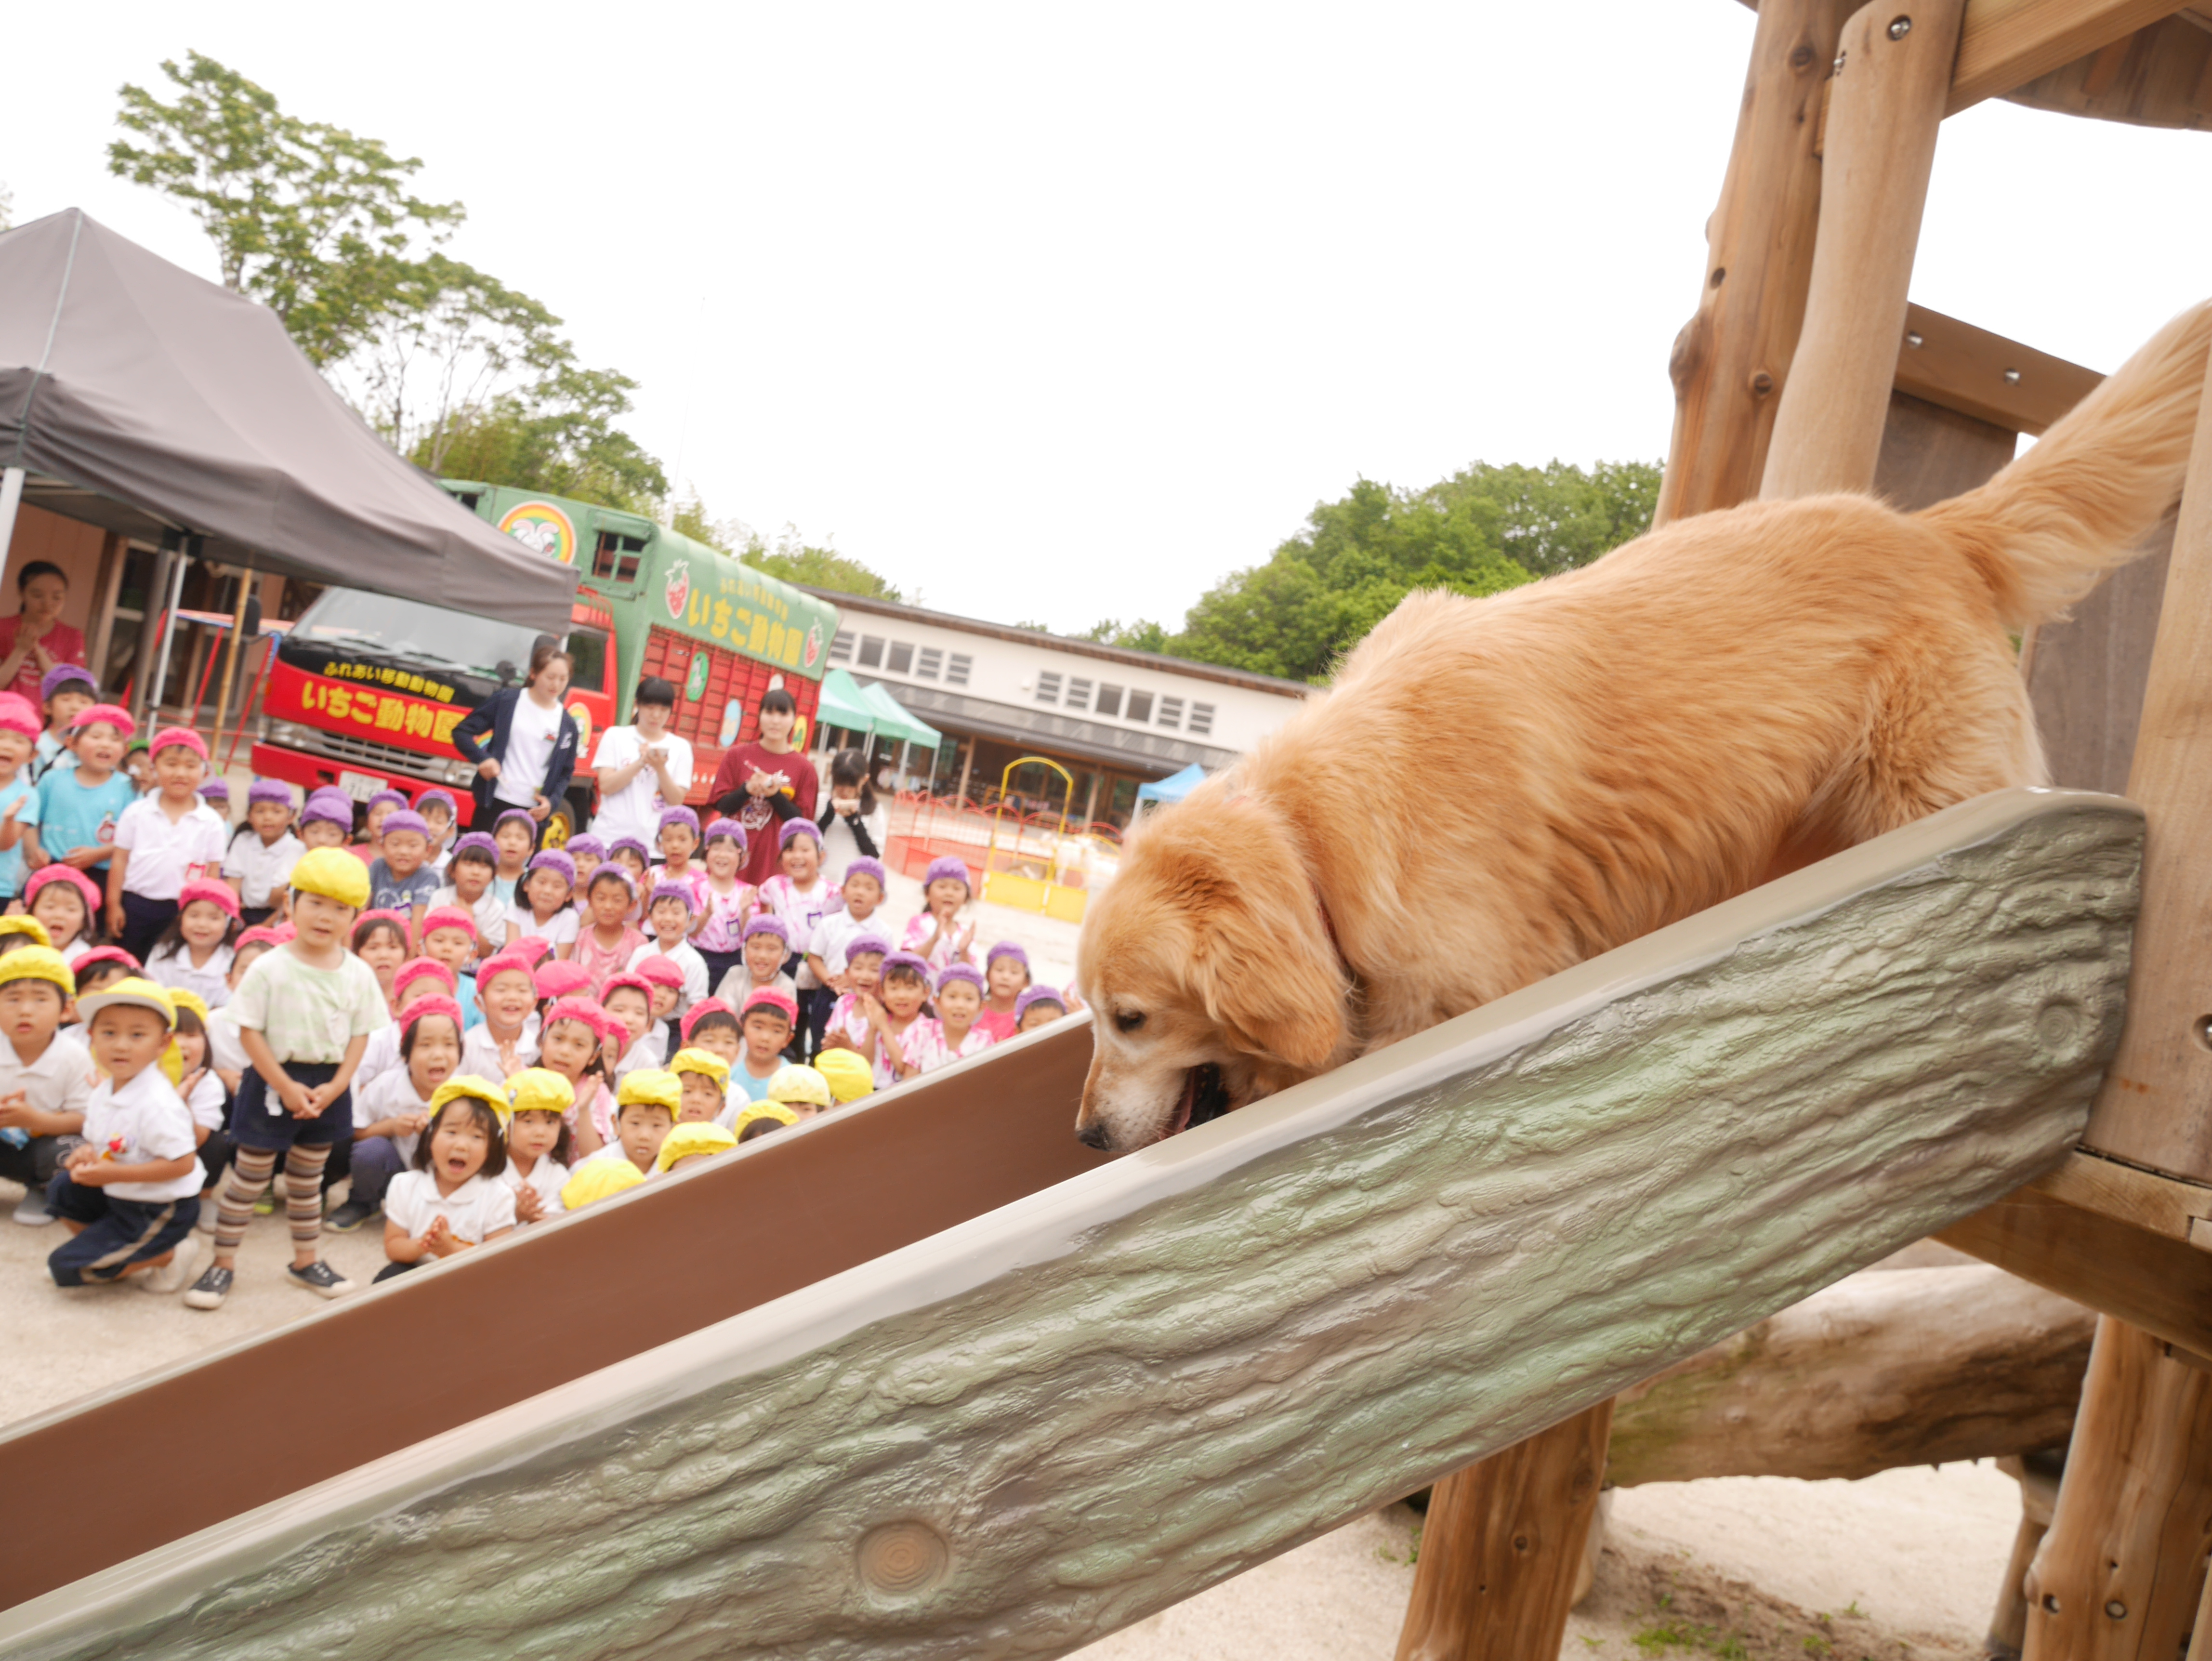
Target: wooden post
[(1893, 75), (1503, 1545), (2119, 1574), (2155, 1109), (1730, 360), (230, 659)]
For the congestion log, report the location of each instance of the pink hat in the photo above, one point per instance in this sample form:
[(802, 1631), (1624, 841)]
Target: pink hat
[(772, 997), (414, 969), (115, 715), (660, 970), (504, 962), (436, 1004), (261, 937), (85, 887), (17, 715), (101, 954), (529, 948), (220, 895), (700, 1010), (385, 914), (171, 738), (584, 1010), (449, 916), (559, 979), (637, 983)]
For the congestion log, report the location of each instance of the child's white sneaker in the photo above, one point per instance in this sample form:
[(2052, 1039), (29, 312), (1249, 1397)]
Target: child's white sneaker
[(177, 1274)]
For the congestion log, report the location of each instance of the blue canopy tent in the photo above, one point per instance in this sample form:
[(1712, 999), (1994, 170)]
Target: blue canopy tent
[(1174, 787)]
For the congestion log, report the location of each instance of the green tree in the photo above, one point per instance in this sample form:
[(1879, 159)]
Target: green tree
[(1141, 636), (313, 221), (564, 443), (790, 559)]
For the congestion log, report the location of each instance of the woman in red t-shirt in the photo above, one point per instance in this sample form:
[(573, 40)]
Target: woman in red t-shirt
[(36, 639), (764, 783)]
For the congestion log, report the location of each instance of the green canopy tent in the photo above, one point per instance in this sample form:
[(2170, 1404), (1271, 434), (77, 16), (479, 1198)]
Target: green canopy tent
[(895, 721), (844, 704)]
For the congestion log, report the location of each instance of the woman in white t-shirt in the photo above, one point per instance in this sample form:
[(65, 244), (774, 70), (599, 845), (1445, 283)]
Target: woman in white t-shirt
[(644, 769), (522, 742)]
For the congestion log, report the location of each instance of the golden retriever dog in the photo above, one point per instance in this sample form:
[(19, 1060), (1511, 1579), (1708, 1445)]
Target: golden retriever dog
[(1494, 789)]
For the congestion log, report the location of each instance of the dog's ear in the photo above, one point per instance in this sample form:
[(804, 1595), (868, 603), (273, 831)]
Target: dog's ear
[(1264, 966)]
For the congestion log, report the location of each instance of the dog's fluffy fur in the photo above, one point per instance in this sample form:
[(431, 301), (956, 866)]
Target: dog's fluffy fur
[(1495, 789)]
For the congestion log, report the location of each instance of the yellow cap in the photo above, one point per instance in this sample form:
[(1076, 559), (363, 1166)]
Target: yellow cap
[(468, 1084), (702, 1060), (800, 1084), (26, 925), (37, 963), (651, 1084), (687, 1139), (598, 1180), (333, 873), (849, 1073), (759, 1110), (182, 999), (132, 990), (540, 1090)]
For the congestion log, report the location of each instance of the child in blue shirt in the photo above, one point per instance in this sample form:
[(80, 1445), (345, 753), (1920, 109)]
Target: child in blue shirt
[(78, 806), (19, 803)]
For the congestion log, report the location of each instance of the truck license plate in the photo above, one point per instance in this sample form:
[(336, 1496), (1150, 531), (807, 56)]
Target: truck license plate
[(360, 785)]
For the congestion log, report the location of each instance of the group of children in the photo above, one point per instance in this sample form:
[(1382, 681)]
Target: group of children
[(478, 1033)]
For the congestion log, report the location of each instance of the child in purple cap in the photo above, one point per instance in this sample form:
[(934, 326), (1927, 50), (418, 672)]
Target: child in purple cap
[(543, 909), (468, 885), (1039, 1006), (258, 861), (669, 912), (607, 939), (630, 854), (1005, 977), (850, 1025), (679, 841), (936, 936), (514, 833), (587, 850), (952, 1034), (801, 896), (400, 878), (374, 811), (326, 820), (64, 690), (767, 945), (440, 812), (861, 893), (216, 793), (726, 901)]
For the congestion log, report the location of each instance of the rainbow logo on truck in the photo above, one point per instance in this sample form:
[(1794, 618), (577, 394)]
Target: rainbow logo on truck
[(543, 528)]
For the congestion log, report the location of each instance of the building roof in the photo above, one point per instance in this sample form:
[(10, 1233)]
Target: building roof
[(1159, 661), (1153, 754)]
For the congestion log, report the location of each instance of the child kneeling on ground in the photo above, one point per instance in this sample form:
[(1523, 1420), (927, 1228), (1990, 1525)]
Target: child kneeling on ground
[(45, 1075), (453, 1198), (129, 1196)]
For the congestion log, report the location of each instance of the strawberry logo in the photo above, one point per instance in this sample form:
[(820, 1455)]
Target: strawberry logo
[(679, 587), (813, 645)]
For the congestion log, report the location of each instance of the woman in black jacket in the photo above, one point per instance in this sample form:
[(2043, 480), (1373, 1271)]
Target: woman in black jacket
[(529, 753)]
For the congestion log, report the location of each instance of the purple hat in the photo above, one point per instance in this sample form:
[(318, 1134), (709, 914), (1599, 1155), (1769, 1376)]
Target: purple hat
[(1038, 994), (477, 842), (588, 843), (1006, 949), (949, 865), (677, 891), (330, 793), (864, 866), (320, 809), (263, 790), (66, 674), (959, 971), (729, 827), (422, 802), (551, 860), (608, 871), (683, 815), (768, 925), (794, 829), (398, 799), (406, 818), (907, 960), (633, 844), (860, 943), (216, 790), (514, 816)]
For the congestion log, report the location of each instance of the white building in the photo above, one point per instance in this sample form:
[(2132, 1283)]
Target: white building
[(1114, 718)]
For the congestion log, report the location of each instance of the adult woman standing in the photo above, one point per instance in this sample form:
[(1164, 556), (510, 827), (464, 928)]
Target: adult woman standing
[(764, 783), (529, 754), (36, 639)]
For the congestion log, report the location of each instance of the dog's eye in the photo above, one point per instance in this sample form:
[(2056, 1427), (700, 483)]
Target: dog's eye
[(1129, 1019)]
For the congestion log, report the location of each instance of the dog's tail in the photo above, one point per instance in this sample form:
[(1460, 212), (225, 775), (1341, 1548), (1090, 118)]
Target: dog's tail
[(2045, 530)]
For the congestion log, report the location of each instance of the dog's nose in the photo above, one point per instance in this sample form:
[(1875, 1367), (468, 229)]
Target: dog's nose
[(1093, 1135)]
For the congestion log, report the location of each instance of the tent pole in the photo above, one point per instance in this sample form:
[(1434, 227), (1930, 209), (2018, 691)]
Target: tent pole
[(168, 632), (11, 496)]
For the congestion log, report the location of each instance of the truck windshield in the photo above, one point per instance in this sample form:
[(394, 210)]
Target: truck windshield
[(407, 628)]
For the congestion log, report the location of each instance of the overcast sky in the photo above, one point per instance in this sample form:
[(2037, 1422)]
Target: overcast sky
[(1057, 313)]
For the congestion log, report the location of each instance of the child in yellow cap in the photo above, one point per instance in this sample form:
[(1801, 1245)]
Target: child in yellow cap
[(801, 1089), (538, 1141), (761, 1117), (598, 1179), (705, 1078), (453, 1198), (848, 1074), (305, 1012), (646, 1106), (45, 1074), (129, 1194), (693, 1141)]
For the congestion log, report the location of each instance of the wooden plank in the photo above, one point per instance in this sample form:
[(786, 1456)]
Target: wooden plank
[(2151, 1281), (2118, 1576), (1885, 108), (2141, 1198), (1731, 358), (1929, 453), (1051, 1420), (2007, 43), (1983, 375), (2086, 674), (2155, 1109)]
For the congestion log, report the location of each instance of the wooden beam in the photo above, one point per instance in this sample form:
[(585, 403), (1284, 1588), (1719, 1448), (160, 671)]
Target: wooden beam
[(2151, 1281), (2007, 43), (2155, 1109), (1985, 376), (1893, 69), (1730, 359), (2119, 1574), (2141, 1198)]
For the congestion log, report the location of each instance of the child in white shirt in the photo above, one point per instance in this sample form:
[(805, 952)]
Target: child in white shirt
[(194, 951), (538, 1143), (389, 1113), (452, 1199), (46, 1075), (162, 841), (259, 860), (669, 916)]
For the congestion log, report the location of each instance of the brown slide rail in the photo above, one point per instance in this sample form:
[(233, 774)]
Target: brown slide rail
[(379, 1371)]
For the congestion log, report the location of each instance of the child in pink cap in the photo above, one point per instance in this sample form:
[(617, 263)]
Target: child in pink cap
[(194, 951), (79, 806), (163, 840), (19, 803)]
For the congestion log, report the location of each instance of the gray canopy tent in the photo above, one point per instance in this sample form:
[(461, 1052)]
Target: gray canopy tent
[(138, 398)]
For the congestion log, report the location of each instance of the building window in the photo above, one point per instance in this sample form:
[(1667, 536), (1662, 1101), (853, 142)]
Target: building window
[(1171, 712), (1048, 688), (871, 652), (901, 661), (841, 649), (617, 556), (929, 663), (1140, 706), (1109, 701), (1201, 719), (1078, 693), (956, 667)]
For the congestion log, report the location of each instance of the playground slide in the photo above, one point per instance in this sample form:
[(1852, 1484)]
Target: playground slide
[(919, 1381)]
